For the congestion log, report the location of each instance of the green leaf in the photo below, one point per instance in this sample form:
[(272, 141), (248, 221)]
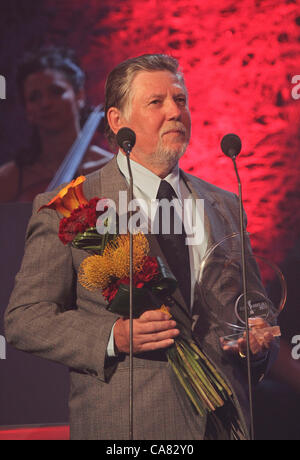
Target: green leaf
[(142, 299)]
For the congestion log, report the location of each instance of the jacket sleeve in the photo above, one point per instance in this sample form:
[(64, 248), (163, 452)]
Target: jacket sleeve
[(43, 316)]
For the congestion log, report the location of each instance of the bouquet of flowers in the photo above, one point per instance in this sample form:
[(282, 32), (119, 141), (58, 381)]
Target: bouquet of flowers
[(107, 269)]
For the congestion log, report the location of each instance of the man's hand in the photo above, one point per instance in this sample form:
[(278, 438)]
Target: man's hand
[(260, 341), (151, 331)]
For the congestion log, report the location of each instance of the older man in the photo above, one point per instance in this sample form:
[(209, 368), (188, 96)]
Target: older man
[(51, 317)]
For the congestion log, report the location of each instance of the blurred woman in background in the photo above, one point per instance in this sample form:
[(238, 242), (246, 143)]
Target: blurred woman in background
[(51, 86)]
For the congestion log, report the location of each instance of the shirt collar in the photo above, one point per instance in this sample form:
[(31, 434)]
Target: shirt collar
[(147, 181)]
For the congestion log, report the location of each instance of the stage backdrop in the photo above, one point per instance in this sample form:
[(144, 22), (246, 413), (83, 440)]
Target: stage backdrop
[(239, 59)]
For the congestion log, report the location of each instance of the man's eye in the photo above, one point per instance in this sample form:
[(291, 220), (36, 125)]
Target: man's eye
[(155, 101)]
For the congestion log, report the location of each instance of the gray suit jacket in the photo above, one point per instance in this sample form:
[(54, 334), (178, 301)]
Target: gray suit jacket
[(51, 315)]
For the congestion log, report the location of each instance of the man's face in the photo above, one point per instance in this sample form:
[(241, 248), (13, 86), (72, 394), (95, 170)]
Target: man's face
[(160, 117)]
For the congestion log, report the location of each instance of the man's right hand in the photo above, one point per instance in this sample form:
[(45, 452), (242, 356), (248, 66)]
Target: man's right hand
[(151, 331)]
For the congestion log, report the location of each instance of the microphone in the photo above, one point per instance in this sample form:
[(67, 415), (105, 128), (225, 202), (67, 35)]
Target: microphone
[(231, 146), (126, 139)]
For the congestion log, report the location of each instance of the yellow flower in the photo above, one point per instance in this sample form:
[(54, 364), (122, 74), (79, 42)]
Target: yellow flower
[(68, 198), (96, 272), (118, 253)]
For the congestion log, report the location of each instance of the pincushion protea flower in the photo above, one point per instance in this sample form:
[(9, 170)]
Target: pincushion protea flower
[(104, 271)]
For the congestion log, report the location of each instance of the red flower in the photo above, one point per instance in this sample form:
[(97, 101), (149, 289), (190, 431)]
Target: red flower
[(81, 218), (110, 292), (149, 271), (147, 274)]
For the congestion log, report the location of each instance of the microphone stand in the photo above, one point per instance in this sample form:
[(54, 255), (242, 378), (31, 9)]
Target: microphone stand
[(244, 271), (128, 150), (126, 139)]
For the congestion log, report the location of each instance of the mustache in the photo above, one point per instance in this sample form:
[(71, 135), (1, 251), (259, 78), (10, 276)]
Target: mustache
[(174, 127)]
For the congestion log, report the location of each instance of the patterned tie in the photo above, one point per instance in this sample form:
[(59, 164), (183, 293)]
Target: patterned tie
[(173, 244)]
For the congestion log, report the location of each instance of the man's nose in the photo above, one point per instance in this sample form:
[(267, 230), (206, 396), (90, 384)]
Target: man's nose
[(173, 111)]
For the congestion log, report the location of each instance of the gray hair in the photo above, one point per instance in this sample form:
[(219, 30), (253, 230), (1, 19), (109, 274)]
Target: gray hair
[(119, 81)]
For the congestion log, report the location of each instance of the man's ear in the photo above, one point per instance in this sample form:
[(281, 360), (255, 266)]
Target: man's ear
[(115, 119)]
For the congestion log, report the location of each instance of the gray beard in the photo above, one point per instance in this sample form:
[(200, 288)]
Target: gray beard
[(167, 157)]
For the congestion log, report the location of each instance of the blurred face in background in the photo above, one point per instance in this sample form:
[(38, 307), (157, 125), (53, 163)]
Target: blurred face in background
[(51, 103)]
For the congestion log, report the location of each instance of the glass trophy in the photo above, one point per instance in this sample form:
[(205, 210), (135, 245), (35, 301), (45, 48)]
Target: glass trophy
[(221, 288)]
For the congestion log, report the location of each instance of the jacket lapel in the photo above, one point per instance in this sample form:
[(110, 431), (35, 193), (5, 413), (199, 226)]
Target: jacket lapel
[(106, 183), (215, 223)]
